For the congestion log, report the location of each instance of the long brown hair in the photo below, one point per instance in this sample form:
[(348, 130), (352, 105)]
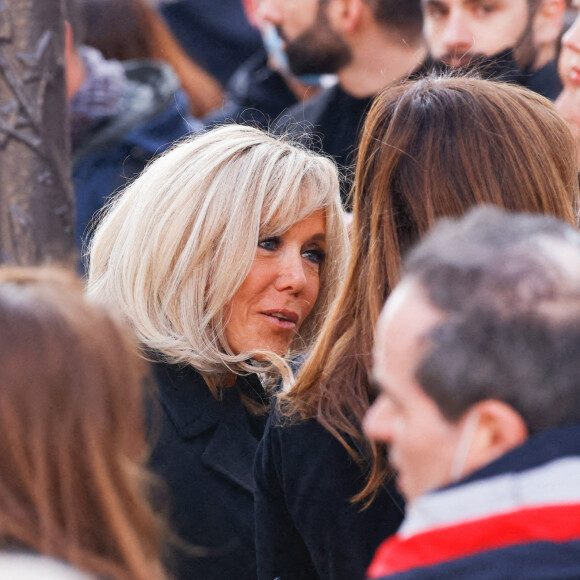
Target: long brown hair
[(429, 148), (71, 431)]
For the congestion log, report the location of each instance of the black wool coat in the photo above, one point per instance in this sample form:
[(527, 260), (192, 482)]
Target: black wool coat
[(306, 526), (203, 449)]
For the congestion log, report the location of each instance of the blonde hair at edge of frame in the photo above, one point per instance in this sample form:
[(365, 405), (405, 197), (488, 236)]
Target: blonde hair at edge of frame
[(174, 247)]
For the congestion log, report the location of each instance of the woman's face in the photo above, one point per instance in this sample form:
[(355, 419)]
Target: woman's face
[(569, 62), (280, 290), (568, 103)]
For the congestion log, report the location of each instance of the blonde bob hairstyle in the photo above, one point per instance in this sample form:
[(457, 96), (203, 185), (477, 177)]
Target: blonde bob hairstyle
[(174, 247)]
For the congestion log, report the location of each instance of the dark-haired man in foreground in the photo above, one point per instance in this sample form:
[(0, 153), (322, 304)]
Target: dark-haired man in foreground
[(477, 359)]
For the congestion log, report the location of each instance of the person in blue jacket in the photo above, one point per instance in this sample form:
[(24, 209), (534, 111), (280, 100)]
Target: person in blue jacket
[(121, 115)]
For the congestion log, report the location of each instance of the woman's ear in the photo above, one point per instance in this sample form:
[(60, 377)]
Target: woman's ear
[(500, 429)]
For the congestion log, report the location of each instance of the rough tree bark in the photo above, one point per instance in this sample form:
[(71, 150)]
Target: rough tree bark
[(36, 194)]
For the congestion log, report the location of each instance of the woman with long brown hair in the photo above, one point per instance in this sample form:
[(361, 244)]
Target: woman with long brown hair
[(429, 148), (72, 442)]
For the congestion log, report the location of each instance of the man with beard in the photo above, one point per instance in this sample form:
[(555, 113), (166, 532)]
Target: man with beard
[(511, 40), (262, 86), (367, 44)]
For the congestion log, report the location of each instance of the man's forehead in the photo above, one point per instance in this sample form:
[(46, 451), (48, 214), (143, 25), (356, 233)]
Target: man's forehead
[(406, 319)]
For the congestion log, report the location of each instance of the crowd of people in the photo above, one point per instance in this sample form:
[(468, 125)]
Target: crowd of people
[(328, 327)]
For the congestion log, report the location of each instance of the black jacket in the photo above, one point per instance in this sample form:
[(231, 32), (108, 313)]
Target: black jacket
[(306, 526), (204, 451), (503, 67), (256, 95), (545, 81)]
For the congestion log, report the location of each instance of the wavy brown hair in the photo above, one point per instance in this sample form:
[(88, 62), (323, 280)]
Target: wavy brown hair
[(71, 431), (429, 148)]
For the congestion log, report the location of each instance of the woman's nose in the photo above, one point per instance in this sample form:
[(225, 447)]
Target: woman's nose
[(291, 273), (571, 39)]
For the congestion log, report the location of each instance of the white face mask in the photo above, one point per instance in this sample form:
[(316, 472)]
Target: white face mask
[(273, 45), (464, 446)]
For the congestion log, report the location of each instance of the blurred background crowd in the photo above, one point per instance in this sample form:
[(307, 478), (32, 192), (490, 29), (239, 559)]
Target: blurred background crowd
[(299, 348)]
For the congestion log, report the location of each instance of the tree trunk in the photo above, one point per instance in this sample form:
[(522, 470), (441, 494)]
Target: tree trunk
[(36, 194)]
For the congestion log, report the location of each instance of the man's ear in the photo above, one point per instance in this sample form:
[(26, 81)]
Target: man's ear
[(548, 22), (500, 429), (345, 15)]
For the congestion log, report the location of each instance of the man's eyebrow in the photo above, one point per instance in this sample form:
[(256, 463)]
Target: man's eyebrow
[(431, 3), (379, 387), (382, 390), (441, 4), (473, 2)]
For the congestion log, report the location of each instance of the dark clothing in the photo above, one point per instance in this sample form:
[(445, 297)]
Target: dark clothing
[(153, 113), (518, 517), (503, 67), (217, 35), (545, 81), (306, 526), (332, 121), (256, 95), (205, 453)]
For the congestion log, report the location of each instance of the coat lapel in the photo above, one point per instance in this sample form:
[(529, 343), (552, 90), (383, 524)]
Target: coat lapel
[(193, 410), (231, 453)]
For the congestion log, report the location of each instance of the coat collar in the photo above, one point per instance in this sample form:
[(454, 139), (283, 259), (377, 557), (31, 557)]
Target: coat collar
[(192, 409), (187, 400), (546, 446)]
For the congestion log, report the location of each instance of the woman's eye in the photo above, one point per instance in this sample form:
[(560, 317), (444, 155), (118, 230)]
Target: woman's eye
[(316, 256), (269, 244)]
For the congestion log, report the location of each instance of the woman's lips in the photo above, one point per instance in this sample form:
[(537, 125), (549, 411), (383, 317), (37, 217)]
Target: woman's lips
[(574, 75), (284, 319)]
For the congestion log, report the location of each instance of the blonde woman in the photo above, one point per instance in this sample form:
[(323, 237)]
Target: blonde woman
[(223, 255)]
